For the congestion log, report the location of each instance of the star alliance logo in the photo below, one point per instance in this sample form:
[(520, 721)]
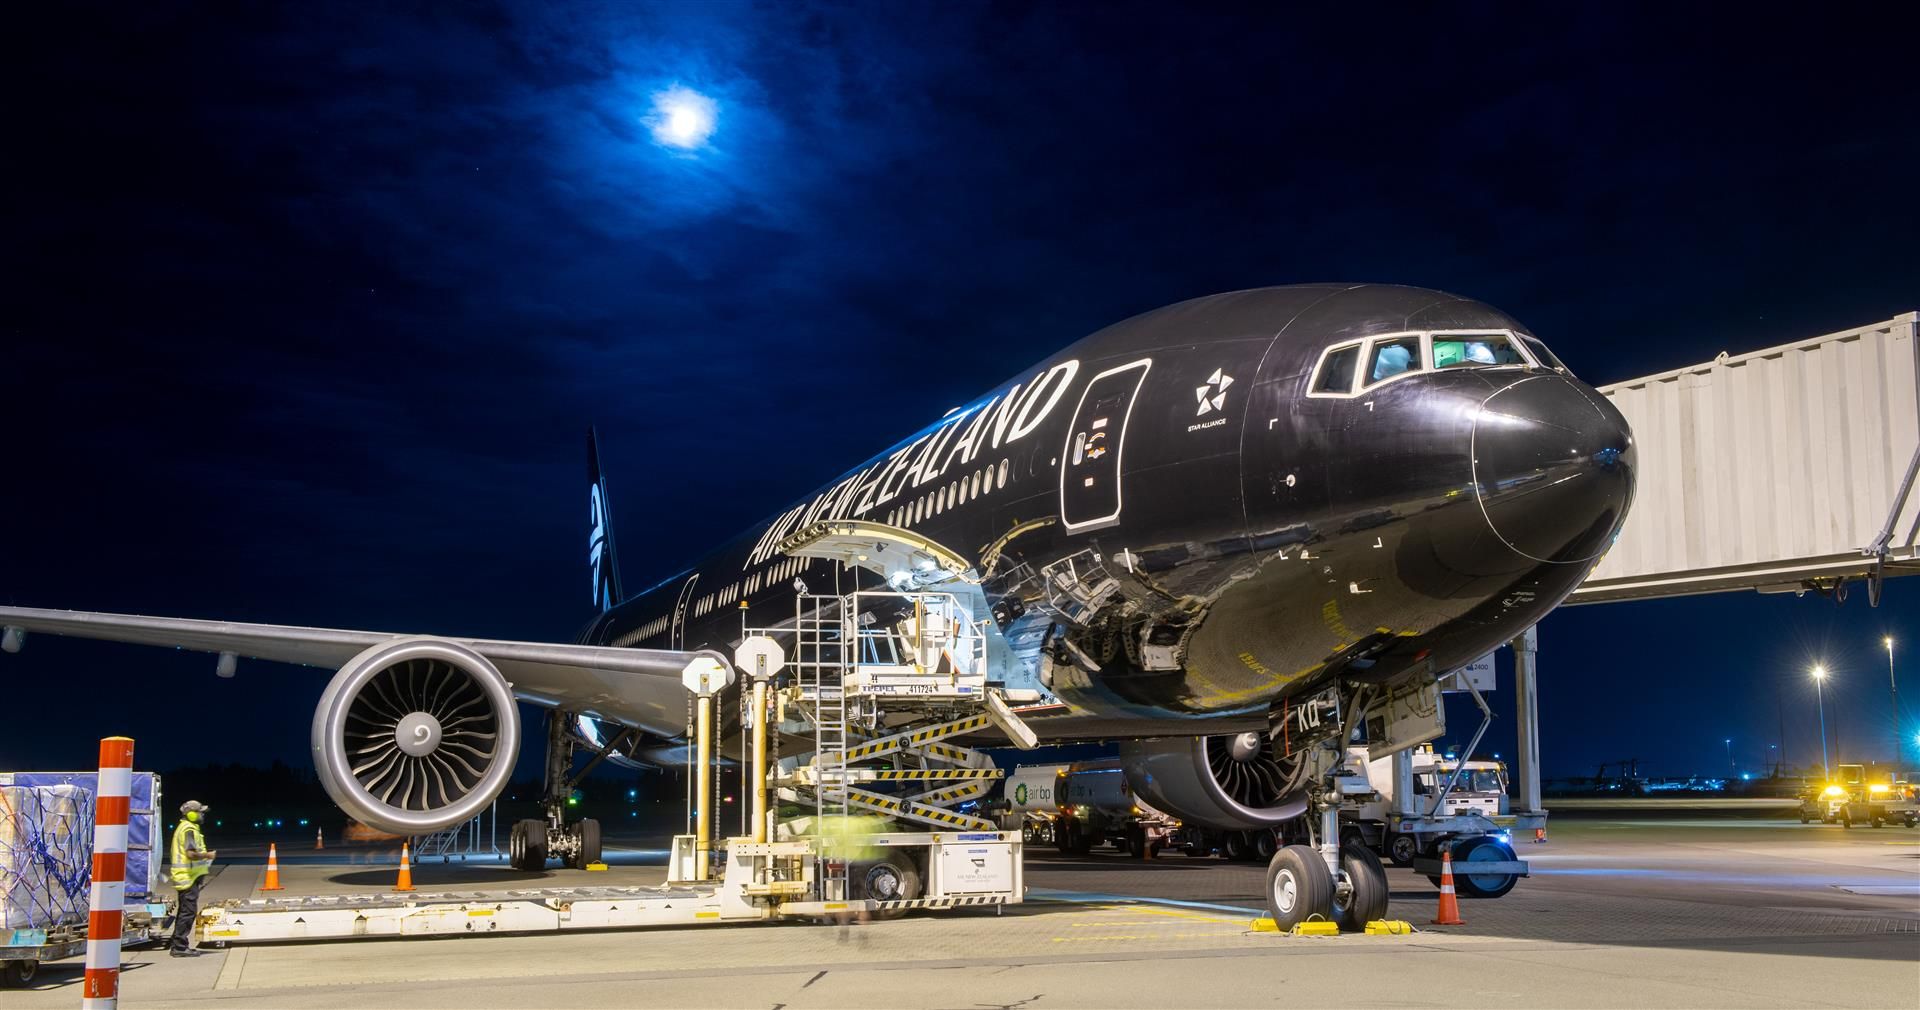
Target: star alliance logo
[(1213, 395)]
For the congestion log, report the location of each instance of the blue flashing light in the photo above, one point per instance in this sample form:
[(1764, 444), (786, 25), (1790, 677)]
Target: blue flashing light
[(303, 822), (1746, 776)]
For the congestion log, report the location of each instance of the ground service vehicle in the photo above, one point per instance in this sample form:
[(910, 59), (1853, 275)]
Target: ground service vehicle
[(1077, 806)]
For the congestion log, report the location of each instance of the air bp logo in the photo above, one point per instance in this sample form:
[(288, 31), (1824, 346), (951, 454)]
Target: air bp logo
[(1020, 794)]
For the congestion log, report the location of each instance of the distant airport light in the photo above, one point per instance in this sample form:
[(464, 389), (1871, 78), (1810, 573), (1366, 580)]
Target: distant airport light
[(682, 118)]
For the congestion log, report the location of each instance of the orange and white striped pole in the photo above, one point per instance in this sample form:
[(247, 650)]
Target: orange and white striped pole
[(107, 898)]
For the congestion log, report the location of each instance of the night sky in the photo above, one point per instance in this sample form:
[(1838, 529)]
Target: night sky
[(308, 307)]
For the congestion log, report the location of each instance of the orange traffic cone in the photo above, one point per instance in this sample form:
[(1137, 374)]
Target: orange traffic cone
[(273, 869), (406, 871), (319, 840), (1449, 914)]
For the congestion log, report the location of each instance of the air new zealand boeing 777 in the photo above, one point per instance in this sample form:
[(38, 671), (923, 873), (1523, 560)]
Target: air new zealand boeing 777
[(1185, 524)]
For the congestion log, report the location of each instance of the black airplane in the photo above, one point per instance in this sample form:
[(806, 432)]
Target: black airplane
[(1184, 524)]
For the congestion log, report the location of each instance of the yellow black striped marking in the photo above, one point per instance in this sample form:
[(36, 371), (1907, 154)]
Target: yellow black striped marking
[(936, 775)]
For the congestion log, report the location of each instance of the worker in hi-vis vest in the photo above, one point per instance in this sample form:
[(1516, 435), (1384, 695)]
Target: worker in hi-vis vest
[(191, 860)]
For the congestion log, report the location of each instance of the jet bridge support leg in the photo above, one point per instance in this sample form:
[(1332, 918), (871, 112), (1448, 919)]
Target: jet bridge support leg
[(1529, 814)]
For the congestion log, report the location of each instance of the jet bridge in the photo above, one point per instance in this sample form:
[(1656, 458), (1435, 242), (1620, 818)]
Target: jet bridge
[(1788, 469)]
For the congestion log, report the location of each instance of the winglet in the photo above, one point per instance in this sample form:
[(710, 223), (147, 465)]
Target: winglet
[(600, 554)]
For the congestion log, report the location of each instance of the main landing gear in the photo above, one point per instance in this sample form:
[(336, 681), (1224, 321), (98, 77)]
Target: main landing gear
[(577, 845)]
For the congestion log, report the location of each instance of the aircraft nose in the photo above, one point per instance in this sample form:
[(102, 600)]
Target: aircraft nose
[(1553, 468)]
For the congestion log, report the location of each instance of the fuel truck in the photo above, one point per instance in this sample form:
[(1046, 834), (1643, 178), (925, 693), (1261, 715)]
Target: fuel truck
[(1079, 805)]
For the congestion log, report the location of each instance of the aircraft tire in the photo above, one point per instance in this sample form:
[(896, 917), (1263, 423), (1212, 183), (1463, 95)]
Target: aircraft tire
[(1298, 886), (589, 842), (527, 845), (1367, 900)]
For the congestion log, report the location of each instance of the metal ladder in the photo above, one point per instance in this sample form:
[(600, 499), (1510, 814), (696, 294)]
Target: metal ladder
[(821, 659)]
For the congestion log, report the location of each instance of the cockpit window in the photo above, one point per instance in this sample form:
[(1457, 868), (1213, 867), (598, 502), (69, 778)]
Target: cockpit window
[(1393, 357), (1454, 351), (1336, 370), (1540, 352)]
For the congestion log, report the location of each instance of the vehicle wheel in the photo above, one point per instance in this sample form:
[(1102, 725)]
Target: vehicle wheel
[(890, 879), (1124, 846), (1264, 846), (1403, 849), (1804, 818), (1063, 839), (1137, 841), (20, 973), (1367, 899), (527, 845), (1486, 885), (589, 842), (1298, 886), (1875, 822), (1846, 820), (1237, 848)]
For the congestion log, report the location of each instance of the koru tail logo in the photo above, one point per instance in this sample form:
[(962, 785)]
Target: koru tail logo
[(1213, 395), (597, 546)]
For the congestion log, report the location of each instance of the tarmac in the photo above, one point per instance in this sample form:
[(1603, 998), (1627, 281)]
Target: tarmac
[(1653, 909)]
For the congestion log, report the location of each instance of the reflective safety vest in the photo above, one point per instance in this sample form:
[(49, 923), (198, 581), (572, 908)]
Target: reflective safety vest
[(186, 838)]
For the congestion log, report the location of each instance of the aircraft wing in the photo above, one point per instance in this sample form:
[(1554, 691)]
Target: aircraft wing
[(634, 687)]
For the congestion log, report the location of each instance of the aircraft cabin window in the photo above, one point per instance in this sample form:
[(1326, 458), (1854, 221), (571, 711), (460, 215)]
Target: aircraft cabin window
[(1336, 370), (1467, 350), (1393, 357)]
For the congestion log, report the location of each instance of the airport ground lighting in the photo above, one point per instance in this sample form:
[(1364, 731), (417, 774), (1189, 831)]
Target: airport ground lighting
[(1819, 681)]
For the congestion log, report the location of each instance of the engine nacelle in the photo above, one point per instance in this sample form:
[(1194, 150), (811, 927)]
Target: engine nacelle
[(1227, 782), (416, 735)]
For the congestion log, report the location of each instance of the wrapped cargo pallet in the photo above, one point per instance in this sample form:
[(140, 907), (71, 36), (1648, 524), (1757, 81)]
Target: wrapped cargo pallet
[(146, 855), (46, 851)]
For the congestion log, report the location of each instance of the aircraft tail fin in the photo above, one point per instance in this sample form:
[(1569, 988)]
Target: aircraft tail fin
[(600, 553)]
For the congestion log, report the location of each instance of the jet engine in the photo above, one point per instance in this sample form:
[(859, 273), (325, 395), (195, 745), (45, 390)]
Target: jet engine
[(415, 735), (1226, 782)]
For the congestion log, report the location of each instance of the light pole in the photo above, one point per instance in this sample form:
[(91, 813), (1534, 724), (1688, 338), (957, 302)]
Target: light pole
[(1893, 697), (1730, 756), (1819, 681)]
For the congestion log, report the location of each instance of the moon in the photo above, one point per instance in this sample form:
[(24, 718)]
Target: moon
[(682, 118)]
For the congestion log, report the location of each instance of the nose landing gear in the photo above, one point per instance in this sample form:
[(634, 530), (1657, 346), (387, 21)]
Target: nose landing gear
[(1328, 880)]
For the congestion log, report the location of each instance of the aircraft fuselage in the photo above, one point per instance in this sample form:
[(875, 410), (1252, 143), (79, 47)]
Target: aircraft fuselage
[(1238, 525)]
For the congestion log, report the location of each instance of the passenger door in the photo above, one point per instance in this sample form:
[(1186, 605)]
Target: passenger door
[(1090, 462)]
